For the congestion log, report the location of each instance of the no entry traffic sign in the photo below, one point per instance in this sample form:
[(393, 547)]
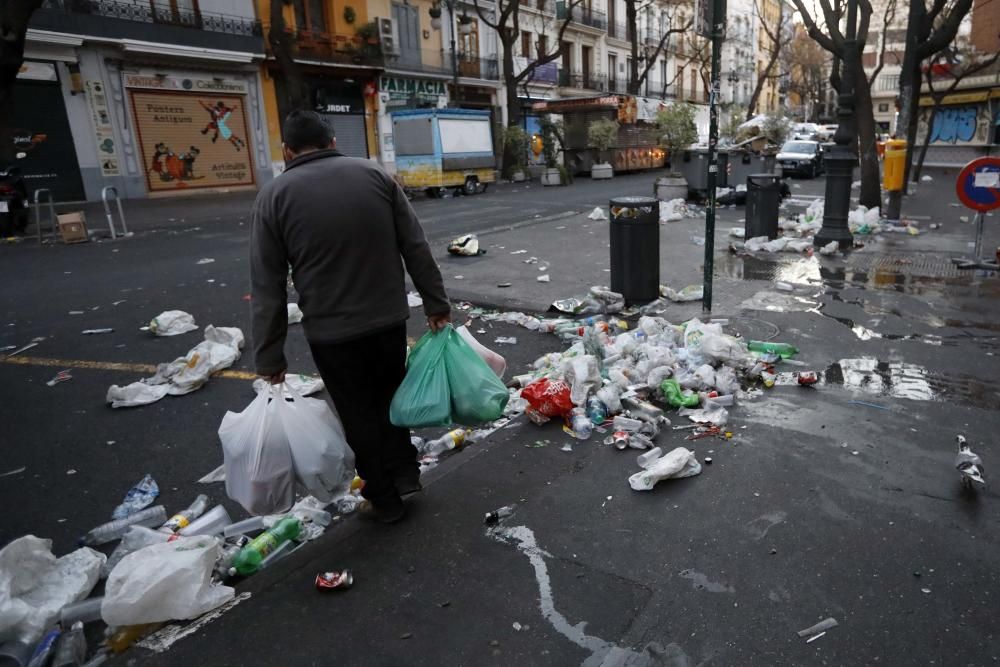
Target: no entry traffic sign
[(978, 184)]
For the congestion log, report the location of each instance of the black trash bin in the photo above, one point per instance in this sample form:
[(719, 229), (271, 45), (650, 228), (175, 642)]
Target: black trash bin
[(635, 248), (763, 199)]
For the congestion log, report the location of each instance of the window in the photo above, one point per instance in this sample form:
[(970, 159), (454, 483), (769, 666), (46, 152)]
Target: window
[(525, 43), (680, 82), (663, 73), (543, 46), (694, 82), (309, 16), (883, 108)]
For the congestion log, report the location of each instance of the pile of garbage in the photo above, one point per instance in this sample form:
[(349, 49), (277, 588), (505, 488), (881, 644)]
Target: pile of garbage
[(624, 381)]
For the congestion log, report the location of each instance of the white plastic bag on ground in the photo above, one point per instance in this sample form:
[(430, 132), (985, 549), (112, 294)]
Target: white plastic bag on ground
[(673, 210), (689, 293), (306, 385), (257, 457), (723, 349), (294, 313), (495, 361), (830, 248), (598, 214), (135, 394), (756, 244), (172, 323), (35, 585), (675, 464), (322, 461), (709, 413), (584, 377), (610, 395), (165, 582)]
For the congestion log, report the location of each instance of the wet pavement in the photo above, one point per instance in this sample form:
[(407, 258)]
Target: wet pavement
[(839, 499)]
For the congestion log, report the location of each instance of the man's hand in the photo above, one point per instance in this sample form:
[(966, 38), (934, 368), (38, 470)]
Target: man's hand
[(438, 322), (277, 378)]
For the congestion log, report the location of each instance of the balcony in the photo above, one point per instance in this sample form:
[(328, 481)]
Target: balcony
[(150, 21), (544, 6), (581, 81), (472, 67), (332, 49), (423, 61), (618, 31), (583, 15), (618, 85)]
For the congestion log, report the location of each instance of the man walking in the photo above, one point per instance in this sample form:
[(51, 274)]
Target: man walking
[(346, 228)]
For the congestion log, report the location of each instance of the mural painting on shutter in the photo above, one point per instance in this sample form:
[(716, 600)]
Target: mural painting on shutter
[(191, 140)]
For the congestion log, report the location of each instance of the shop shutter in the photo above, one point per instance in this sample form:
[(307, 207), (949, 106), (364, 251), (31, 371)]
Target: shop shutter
[(352, 140), (41, 131)]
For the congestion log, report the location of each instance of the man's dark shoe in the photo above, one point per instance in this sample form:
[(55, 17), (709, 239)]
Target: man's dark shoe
[(383, 512), (407, 486)]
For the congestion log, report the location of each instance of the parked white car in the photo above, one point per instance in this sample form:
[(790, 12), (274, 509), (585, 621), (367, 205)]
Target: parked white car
[(807, 131)]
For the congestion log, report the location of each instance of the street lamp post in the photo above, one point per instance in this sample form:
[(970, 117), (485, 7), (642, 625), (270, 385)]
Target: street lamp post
[(435, 12), (842, 159)]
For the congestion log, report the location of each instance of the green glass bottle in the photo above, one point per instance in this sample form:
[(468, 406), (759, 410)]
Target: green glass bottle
[(784, 350), (249, 558)]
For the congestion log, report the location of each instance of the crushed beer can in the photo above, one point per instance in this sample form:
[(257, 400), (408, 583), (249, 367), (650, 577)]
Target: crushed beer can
[(328, 581), (807, 378)]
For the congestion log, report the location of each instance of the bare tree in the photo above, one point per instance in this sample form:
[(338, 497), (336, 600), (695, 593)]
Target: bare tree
[(833, 41), (808, 76), (635, 78), (928, 31), (14, 18), (506, 21), (971, 63), (778, 42)]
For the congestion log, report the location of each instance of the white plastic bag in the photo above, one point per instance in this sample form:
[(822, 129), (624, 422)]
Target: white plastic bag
[(724, 349), (172, 323), (676, 464), (135, 394), (496, 362), (584, 377), (164, 582), (322, 461), (295, 314), (307, 385), (35, 585), (257, 457)]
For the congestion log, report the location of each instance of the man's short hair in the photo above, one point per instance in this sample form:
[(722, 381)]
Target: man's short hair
[(306, 129)]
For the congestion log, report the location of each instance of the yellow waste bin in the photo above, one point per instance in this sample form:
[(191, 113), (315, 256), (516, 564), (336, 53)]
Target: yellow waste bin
[(893, 165)]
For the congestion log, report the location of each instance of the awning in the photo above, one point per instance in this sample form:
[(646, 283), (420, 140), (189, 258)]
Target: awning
[(602, 103), (957, 98)]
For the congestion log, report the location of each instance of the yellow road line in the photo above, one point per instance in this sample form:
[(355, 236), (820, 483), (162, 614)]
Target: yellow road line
[(109, 366)]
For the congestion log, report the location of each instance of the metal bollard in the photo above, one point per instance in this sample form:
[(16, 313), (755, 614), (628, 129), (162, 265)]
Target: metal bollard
[(635, 248), (107, 210), (54, 233)]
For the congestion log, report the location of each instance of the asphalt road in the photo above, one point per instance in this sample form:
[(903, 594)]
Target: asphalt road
[(819, 506)]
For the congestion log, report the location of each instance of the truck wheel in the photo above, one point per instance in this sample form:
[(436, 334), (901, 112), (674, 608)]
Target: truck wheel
[(471, 185)]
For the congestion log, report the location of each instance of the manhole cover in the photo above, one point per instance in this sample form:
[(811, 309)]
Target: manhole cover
[(916, 265), (752, 328)]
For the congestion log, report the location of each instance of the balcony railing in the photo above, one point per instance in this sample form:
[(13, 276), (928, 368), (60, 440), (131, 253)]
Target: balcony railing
[(583, 15), (582, 81), (334, 49), (476, 68), (144, 11), (618, 85), (424, 61), (545, 6)]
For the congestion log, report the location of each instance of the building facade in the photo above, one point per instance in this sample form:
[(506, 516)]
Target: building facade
[(152, 99)]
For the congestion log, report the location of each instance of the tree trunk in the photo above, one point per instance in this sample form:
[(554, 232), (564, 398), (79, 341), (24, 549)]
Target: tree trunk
[(911, 125), (927, 142), (871, 188), (282, 43), (14, 17), (513, 104), (631, 22)]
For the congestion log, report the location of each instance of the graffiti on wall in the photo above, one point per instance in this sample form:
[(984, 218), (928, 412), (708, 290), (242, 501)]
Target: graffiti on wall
[(967, 124)]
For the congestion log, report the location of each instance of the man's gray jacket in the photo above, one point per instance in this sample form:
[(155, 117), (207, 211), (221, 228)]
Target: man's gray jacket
[(346, 228)]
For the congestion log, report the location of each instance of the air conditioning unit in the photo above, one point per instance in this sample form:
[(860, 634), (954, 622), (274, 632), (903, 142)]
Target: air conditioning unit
[(387, 36)]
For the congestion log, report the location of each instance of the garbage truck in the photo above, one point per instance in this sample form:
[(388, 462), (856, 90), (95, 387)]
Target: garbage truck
[(441, 149)]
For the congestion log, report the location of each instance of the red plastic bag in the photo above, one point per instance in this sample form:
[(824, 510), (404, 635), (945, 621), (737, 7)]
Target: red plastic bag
[(549, 397)]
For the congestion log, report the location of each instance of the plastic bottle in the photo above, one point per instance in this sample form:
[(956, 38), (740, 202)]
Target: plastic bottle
[(135, 538), (580, 424), (450, 440), (71, 650), (211, 522), (229, 553), (112, 530), (783, 349), (123, 637), (250, 525), (249, 558), (627, 424), (45, 649), (83, 611), (182, 519), (596, 410)]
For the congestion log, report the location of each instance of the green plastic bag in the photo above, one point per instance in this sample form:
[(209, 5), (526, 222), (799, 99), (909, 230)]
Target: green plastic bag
[(675, 397), (424, 397), (477, 394)]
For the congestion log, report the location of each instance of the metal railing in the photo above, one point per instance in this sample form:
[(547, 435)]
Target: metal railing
[(423, 61), (545, 6), (583, 15), (582, 81), (617, 85), (618, 30), (473, 67), (145, 11), (113, 191), (53, 221), (339, 49)]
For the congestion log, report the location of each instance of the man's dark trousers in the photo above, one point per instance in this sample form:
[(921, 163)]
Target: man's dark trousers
[(361, 376)]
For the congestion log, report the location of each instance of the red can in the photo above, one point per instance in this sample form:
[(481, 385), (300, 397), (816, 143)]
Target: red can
[(807, 378), (328, 581)]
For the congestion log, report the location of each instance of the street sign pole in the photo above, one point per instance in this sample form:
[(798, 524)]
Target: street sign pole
[(978, 187), (716, 28)]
